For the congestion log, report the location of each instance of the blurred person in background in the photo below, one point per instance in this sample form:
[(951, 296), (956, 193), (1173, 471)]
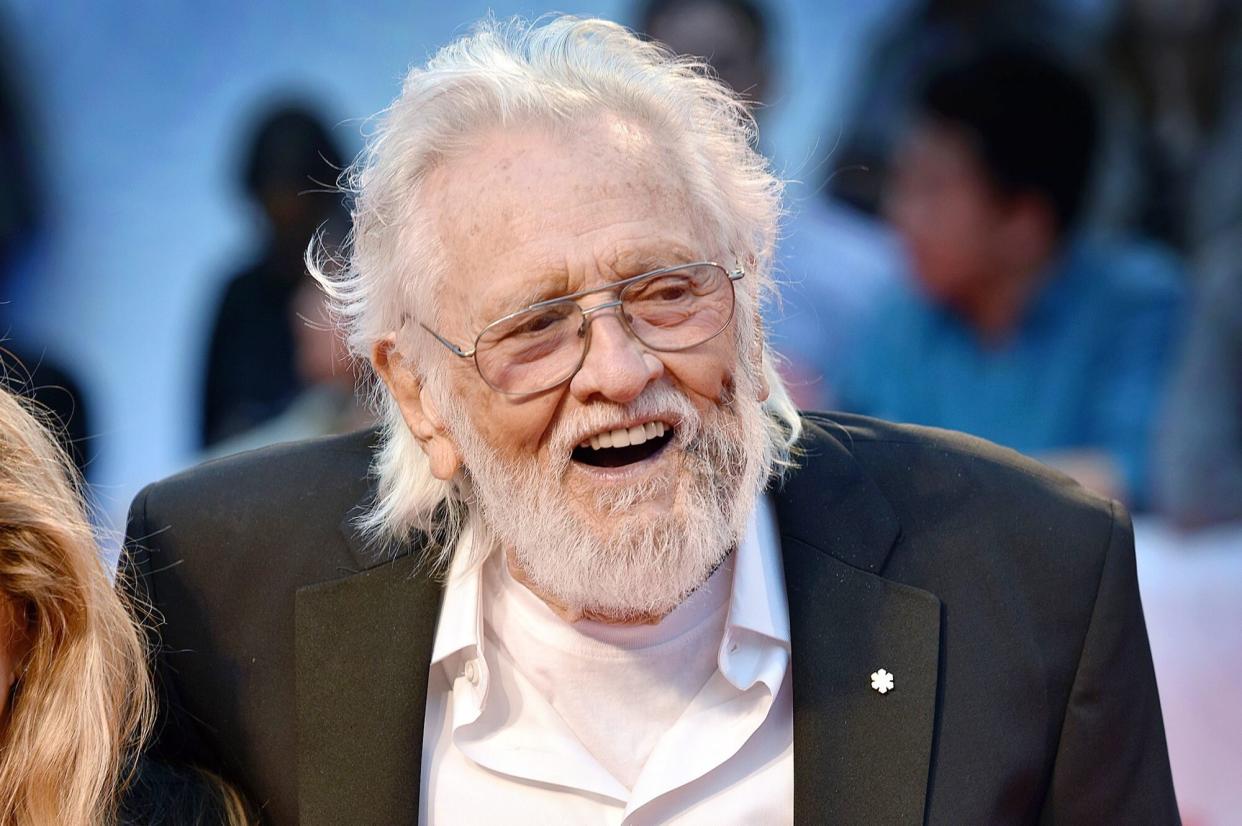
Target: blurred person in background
[(924, 36), (75, 701), (1017, 328), (329, 404), (733, 36), (832, 261), (1176, 72), (289, 174), (1177, 68), (1198, 472), (25, 366)]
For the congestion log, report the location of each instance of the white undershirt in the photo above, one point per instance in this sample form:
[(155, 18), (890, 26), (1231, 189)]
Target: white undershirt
[(532, 720), (617, 688)]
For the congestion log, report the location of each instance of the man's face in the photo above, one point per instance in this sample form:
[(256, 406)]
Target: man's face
[(530, 216), (949, 217)]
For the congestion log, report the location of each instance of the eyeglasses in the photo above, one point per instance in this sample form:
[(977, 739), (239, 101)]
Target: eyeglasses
[(545, 344)]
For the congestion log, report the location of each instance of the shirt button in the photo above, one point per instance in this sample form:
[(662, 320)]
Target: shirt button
[(472, 672)]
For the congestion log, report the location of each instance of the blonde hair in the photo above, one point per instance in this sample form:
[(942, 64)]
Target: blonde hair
[(505, 74), (82, 702)]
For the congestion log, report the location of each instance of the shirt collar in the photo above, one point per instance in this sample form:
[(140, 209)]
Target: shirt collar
[(758, 603), (461, 612), (755, 646)]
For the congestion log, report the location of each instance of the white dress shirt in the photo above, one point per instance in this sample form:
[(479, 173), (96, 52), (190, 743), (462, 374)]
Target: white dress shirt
[(533, 720)]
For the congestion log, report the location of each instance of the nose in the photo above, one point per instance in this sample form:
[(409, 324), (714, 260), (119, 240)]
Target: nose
[(617, 367)]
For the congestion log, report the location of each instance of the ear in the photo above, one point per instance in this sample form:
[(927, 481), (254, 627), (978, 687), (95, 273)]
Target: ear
[(417, 408)]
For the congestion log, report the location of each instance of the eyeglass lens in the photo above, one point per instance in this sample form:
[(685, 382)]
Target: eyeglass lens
[(540, 348)]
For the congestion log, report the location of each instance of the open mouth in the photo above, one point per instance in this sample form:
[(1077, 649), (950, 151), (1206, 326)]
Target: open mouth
[(624, 446)]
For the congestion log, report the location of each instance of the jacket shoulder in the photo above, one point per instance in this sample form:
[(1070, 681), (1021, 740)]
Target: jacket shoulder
[(272, 477), (930, 475), (281, 502)]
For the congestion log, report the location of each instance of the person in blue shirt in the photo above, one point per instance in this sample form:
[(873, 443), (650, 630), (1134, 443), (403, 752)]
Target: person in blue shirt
[(1014, 326)]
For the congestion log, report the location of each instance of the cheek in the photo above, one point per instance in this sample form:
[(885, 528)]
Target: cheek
[(708, 371), (513, 427), (953, 250)]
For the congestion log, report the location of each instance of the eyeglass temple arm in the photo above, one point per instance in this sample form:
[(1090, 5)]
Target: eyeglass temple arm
[(737, 274), (457, 351)]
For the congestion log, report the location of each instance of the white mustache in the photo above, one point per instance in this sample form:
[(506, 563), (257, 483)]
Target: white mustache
[(658, 401)]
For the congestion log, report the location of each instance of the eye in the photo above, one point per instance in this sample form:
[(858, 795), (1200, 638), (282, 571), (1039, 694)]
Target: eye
[(536, 324), (664, 289), (669, 292)]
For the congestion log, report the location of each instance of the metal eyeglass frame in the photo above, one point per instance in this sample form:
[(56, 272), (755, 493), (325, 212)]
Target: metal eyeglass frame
[(588, 313)]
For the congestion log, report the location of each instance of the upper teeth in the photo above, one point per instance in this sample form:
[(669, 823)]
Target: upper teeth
[(626, 436)]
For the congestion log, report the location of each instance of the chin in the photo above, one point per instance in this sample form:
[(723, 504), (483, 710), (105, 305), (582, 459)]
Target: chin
[(654, 491)]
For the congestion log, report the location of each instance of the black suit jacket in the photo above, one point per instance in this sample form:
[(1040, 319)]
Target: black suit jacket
[(1001, 595)]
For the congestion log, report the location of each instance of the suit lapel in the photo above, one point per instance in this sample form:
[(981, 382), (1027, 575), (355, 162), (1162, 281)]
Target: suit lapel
[(363, 647), (859, 756)]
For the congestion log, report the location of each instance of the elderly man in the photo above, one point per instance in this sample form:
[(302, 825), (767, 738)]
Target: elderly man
[(593, 567)]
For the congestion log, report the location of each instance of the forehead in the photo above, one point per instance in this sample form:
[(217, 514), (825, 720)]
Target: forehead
[(531, 212)]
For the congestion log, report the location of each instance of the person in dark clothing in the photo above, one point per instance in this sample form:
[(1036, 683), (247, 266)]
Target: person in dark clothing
[(55, 392), (289, 174), (25, 367), (732, 35)]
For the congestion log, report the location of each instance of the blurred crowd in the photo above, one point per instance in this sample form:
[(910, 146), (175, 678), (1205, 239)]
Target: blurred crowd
[(1027, 232), (1024, 228)]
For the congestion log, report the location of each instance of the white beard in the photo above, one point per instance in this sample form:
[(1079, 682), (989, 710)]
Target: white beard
[(616, 563)]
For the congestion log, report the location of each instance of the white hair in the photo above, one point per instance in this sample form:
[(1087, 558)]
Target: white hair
[(555, 71)]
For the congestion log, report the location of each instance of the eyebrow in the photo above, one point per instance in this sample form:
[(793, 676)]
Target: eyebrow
[(626, 265), (630, 263), (493, 309)]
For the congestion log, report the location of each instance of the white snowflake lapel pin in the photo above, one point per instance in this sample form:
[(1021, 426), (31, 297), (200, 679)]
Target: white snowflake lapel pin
[(882, 681)]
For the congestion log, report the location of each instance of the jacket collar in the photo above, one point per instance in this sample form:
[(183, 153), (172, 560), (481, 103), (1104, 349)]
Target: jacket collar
[(859, 755), (362, 648), (364, 644), (829, 503)]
